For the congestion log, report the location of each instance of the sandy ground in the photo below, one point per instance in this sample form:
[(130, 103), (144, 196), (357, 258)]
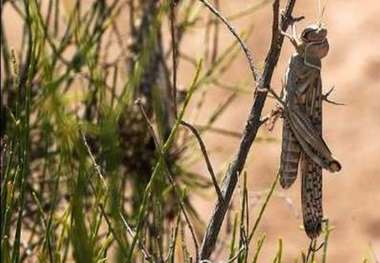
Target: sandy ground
[(352, 197)]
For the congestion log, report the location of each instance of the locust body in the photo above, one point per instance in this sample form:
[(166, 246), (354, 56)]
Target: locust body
[(303, 147)]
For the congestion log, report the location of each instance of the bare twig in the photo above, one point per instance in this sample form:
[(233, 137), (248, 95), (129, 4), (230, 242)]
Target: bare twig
[(325, 97), (248, 54), (96, 166), (252, 125), (225, 132), (275, 96), (205, 155), (312, 250)]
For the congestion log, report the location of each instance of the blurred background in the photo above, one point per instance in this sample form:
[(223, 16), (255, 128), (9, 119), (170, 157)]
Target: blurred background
[(351, 197)]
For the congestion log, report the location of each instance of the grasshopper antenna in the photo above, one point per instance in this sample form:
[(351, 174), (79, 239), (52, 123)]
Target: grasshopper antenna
[(321, 11), (318, 15)]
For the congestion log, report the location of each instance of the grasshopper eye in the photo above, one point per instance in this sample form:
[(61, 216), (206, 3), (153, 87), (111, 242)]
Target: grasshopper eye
[(307, 33)]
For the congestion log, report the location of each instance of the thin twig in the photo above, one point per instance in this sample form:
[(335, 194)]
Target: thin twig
[(93, 188), (275, 96), (325, 243), (312, 250), (205, 155), (214, 53), (94, 163), (325, 97), (170, 177), (248, 54), (173, 241), (144, 250), (174, 54), (158, 167), (252, 125), (260, 243), (222, 131), (243, 248)]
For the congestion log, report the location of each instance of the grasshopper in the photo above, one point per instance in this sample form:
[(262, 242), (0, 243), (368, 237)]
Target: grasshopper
[(302, 142)]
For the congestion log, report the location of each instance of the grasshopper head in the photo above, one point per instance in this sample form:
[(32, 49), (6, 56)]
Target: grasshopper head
[(314, 38)]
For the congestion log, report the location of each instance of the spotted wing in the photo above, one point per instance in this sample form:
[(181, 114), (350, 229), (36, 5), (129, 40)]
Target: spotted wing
[(290, 156)]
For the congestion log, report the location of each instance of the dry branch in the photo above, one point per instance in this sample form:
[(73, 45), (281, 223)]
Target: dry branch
[(205, 156), (246, 50), (252, 125)]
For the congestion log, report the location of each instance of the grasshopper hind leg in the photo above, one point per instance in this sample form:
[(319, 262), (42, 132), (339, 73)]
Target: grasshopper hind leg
[(311, 197)]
